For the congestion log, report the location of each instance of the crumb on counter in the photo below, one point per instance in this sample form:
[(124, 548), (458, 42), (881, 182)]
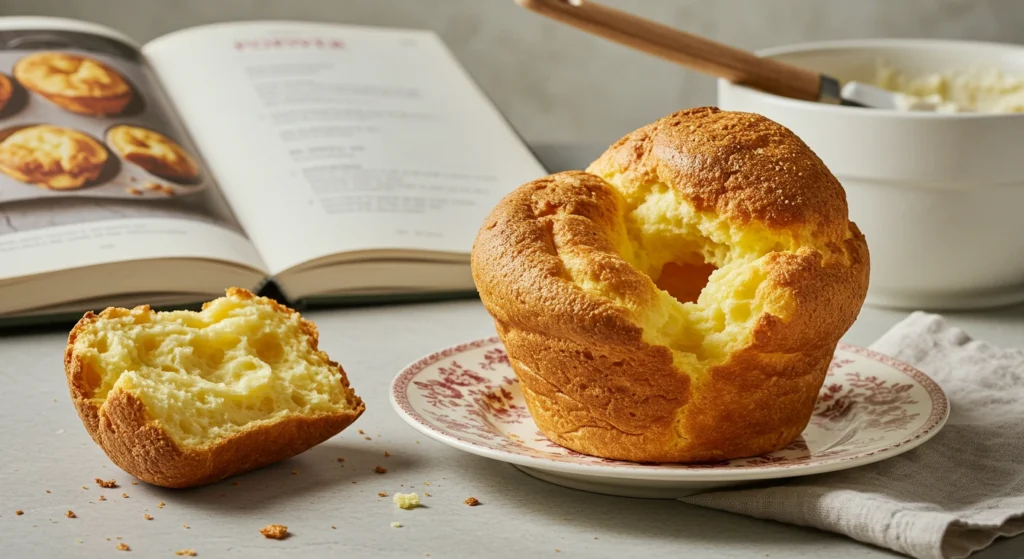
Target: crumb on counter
[(186, 552), (124, 495), (396, 525), (380, 470), (135, 483), (387, 454), (47, 490), (333, 527), (361, 432), (427, 494), (123, 547), (295, 472), (472, 501), (341, 459), (185, 526), (101, 498), (147, 517), (70, 514), (407, 501), (427, 483), (368, 438), (160, 505), (382, 494), (107, 484), (274, 531), (19, 512)]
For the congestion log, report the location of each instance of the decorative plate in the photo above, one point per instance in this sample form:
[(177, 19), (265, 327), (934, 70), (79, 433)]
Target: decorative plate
[(871, 407)]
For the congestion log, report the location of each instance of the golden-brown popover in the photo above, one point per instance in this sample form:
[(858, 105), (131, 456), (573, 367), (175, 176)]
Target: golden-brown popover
[(183, 399), (52, 157), (74, 82), (680, 301), (6, 91), (154, 152)]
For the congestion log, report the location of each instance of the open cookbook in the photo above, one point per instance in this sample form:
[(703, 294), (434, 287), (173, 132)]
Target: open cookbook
[(338, 163)]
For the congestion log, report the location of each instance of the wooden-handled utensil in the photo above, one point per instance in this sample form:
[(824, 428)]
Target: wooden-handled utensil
[(704, 55)]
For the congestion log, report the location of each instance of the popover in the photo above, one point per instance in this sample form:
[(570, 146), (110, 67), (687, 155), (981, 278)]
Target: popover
[(682, 298), (74, 82), (154, 152), (180, 399), (52, 157), (6, 91)]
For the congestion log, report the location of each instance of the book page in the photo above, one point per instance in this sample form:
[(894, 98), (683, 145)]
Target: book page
[(95, 166), (330, 139)]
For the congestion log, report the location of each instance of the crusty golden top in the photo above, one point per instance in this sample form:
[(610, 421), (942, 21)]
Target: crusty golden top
[(59, 157), (72, 75), (741, 166)]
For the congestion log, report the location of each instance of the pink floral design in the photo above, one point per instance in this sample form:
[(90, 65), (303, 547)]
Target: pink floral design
[(494, 358), (876, 403), (798, 445), (857, 414)]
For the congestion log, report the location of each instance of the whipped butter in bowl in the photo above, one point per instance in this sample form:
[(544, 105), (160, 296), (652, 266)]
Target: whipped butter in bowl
[(988, 90), (936, 186)]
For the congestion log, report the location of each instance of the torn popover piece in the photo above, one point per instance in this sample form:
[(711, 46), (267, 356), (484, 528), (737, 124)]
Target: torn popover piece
[(180, 399), (681, 299)]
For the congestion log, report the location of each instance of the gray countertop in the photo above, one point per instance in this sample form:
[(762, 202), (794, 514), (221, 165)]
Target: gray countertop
[(48, 464), (46, 448)]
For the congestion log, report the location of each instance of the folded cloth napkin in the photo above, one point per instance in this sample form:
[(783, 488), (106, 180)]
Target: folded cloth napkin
[(945, 499)]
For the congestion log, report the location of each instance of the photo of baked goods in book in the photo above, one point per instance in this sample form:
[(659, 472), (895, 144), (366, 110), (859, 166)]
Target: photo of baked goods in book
[(6, 92), (76, 83), (85, 117), (52, 157), (154, 152)]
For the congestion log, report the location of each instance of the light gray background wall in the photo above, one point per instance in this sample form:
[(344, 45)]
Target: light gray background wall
[(557, 84)]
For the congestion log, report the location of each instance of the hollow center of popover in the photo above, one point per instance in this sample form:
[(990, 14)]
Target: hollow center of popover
[(208, 375), (684, 280), (707, 273)]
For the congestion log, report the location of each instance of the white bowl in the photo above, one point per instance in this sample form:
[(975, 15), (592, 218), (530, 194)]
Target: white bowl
[(940, 197)]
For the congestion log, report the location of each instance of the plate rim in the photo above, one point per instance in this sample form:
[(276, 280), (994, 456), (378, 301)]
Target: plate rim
[(931, 427)]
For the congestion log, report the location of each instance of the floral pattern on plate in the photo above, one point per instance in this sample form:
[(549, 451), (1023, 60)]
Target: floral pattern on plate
[(870, 407)]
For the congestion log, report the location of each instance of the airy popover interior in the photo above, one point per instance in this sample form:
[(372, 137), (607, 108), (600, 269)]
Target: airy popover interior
[(681, 299), (243, 364), (707, 270)]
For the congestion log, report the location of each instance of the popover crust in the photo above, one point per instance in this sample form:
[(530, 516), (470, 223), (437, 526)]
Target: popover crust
[(154, 152), (613, 366), (52, 157), (74, 82)]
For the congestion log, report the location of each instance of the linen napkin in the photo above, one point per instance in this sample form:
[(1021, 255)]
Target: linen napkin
[(947, 498)]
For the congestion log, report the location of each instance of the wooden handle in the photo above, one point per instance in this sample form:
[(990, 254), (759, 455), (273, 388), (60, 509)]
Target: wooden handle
[(738, 66)]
